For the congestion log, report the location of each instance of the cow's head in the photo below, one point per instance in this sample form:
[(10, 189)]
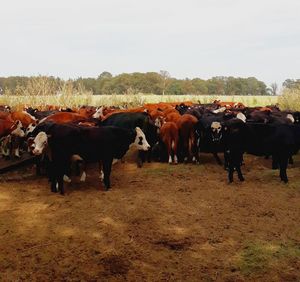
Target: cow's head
[(30, 128), (159, 121), (17, 129), (98, 113), (241, 116), (39, 143), (140, 141), (216, 131), (290, 117), (297, 117)]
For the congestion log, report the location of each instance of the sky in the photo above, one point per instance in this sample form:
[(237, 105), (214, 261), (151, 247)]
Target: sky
[(190, 38)]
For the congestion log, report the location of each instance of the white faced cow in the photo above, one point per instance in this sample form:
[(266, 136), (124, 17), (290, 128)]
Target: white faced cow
[(104, 141)]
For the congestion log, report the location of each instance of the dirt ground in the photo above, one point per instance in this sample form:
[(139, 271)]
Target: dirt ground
[(158, 223)]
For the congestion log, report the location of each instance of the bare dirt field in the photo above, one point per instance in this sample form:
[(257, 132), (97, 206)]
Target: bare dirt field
[(158, 223)]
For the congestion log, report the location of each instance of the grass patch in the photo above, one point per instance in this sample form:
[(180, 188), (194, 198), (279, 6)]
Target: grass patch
[(261, 257)]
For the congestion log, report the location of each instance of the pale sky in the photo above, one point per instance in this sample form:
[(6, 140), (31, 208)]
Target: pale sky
[(188, 38)]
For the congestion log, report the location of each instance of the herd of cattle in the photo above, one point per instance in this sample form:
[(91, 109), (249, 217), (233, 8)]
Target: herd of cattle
[(62, 139)]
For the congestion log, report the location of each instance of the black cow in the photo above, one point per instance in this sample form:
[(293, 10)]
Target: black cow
[(131, 121), (210, 134), (279, 140), (91, 144)]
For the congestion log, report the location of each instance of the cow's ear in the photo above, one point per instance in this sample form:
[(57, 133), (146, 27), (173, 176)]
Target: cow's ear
[(49, 136)]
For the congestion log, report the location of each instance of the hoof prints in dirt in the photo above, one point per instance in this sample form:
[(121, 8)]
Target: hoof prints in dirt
[(115, 265), (174, 245)]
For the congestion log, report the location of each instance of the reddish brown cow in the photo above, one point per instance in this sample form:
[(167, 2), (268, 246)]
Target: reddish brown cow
[(24, 117), (155, 114), (169, 135), (265, 109), (133, 110), (228, 105), (64, 117), (86, 111), (8, 127), (173, 117), (5, 115), (186, 125)]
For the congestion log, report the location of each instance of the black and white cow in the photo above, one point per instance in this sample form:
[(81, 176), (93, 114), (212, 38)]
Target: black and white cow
[(210, 132), (131, 121), (91, 144)]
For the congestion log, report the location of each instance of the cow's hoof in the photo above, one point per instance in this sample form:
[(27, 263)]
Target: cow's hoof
[(242, 179)]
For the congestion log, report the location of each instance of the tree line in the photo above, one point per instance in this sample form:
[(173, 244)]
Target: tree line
[(150, 82)]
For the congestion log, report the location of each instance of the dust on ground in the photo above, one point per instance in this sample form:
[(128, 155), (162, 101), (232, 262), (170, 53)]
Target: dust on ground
[(159, 223)]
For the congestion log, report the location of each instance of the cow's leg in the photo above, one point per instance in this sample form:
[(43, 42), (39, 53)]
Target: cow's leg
[(38, 165), (291, 160), (239, 172), (186, 152), (174, 148), (60, 182), (283, 163), (140, 159), (230, 173), (217, 158), (169, 149), (226, 159), (275, 161), (101, 174), (60, 167), (195, 153), (52, 177), (83, 175), (17, 152), (149, 155), (107, 169)]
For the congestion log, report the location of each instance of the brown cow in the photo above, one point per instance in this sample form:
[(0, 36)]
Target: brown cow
[(24, 117), (5, 115), (10, 127), (186, 125), (132, 110), (64, 117), (169, 135), (228, 105), (10, 134), (173, 117)]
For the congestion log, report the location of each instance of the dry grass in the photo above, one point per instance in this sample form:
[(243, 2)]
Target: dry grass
[(66, 99), (290, 100), (41, 91)]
